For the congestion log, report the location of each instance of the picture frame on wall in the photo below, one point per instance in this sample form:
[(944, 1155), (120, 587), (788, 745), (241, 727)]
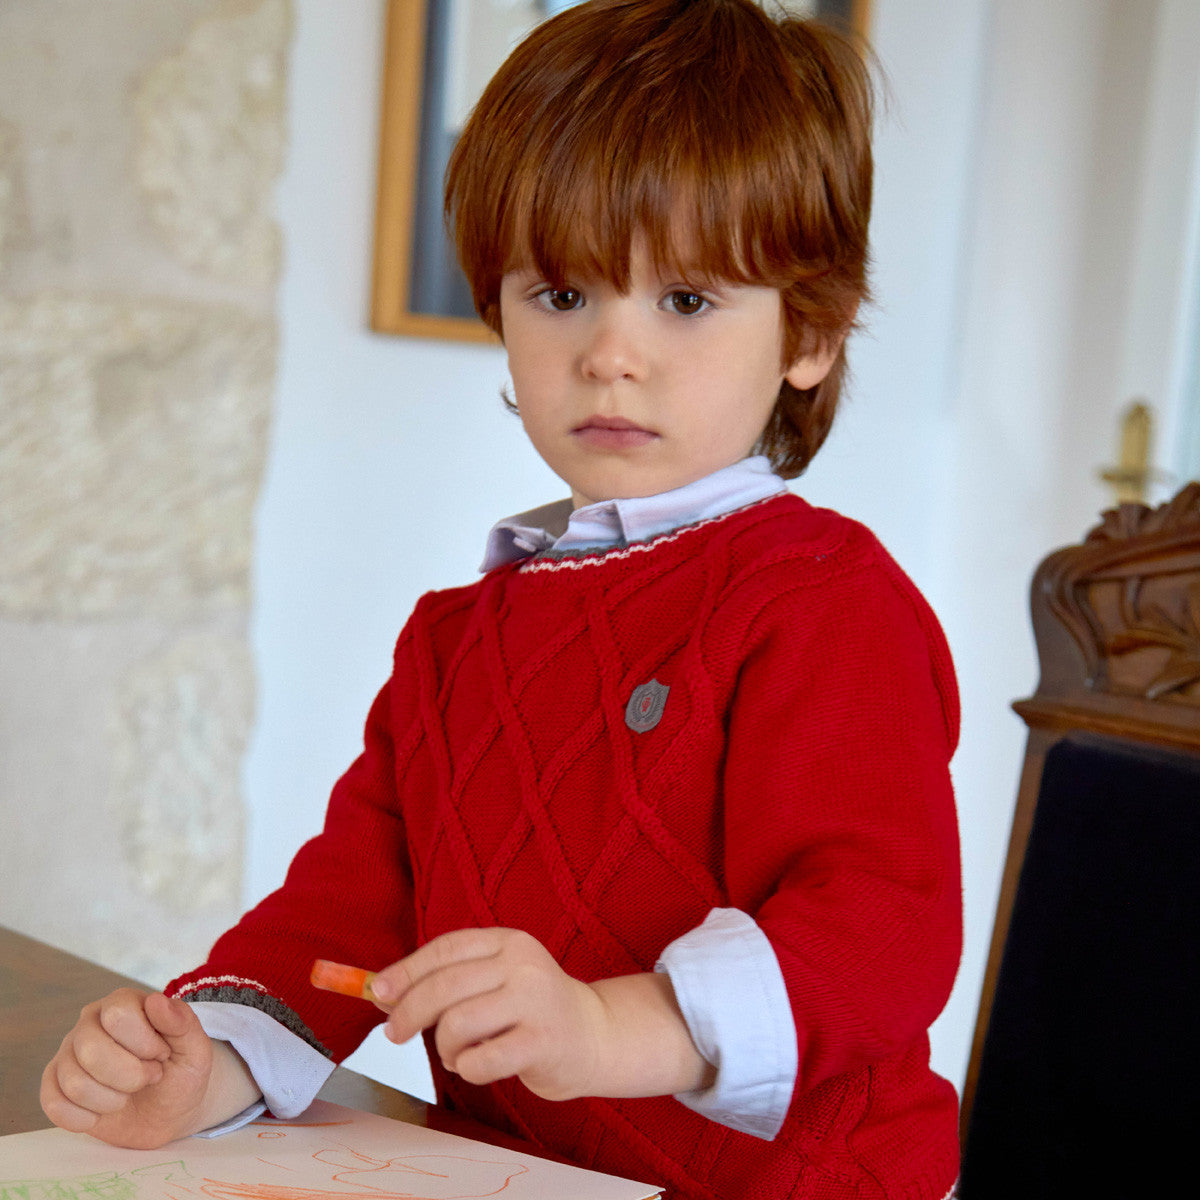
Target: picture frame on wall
[(439, 55)]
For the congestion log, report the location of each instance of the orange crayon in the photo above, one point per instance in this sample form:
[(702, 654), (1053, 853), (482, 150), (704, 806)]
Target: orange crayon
[(347, 981)]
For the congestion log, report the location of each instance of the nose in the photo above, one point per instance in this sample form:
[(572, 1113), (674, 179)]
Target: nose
[(614, 349)]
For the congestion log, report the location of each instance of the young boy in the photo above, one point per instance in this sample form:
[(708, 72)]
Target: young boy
[(652, 833)]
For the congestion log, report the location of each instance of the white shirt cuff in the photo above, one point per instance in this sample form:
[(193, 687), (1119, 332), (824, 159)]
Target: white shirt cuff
[(734, 999), (235, 1122), (288, 1071)]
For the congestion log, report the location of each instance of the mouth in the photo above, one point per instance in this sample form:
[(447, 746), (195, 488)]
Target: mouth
[(613, 433)]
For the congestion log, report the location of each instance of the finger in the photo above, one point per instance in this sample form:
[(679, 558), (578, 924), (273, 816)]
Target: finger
[(122, 1018), (107, 1062), (460, 945), (83, 1090), (63, 1112), (474, 1022), (521, 1053), (432, 997), (501, 1057), (177, 1024)]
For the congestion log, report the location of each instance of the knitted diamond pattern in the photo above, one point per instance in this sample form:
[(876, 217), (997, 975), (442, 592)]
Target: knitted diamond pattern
[(501, 785)]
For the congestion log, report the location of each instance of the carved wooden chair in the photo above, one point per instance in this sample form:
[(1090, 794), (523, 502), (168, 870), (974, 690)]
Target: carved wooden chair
[(1085, 1070)]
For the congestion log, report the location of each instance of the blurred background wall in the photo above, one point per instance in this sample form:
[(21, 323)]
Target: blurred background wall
[(220, 494)]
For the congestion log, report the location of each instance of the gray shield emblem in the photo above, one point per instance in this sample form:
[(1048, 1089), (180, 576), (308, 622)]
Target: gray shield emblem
[(645, 707)]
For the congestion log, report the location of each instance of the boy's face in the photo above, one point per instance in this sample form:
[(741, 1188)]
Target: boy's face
[(636, 394)]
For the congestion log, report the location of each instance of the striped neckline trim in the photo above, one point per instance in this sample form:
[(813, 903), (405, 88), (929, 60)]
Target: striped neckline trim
[(568, 560)]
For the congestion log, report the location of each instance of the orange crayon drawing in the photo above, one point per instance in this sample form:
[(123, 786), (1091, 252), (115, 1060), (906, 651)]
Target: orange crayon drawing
[(305, 1160), (349, 1174), (416, 1177)]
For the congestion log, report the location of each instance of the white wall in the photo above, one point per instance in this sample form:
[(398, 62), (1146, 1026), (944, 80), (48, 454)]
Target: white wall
[(1029, 420), (391, 457), (968, 443), (1160, 347)]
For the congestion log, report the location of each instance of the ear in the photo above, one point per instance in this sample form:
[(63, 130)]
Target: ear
[(809, 369)]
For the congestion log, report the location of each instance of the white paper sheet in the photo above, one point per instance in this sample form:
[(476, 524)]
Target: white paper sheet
[(328, 1153)]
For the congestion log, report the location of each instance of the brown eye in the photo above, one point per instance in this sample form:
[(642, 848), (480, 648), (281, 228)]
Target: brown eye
[(563, 299), (687, 304)]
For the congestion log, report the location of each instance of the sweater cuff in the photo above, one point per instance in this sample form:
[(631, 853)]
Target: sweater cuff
[(735, 1002), (288, 1071)]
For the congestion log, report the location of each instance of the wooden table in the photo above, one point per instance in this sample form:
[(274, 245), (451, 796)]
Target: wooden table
[(41, 992)]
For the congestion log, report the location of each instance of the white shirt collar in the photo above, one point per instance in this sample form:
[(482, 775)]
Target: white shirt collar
[(610, 523)]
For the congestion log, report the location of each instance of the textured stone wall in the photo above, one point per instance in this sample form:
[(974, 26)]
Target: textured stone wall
[(139, 144)]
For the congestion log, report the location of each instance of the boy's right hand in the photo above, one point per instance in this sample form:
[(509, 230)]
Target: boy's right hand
[(133, 1072)]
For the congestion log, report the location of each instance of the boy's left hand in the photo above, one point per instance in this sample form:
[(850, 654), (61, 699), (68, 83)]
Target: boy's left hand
[(502, 1007)]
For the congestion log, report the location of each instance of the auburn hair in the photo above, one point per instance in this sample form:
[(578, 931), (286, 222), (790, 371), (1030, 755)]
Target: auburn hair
[(737, 144)]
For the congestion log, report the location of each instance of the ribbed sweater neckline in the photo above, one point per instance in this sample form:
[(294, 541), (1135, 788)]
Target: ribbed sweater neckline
[(583, 561)]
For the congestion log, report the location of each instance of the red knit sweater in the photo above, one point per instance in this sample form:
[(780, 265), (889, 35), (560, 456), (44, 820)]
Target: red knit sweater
[(798, 771)]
